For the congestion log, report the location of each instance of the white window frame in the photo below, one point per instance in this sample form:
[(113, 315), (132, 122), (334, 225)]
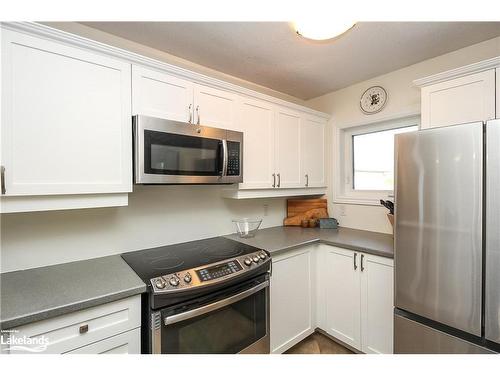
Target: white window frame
[(343, 191)]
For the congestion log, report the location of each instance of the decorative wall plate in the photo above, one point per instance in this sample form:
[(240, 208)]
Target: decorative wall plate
[(373, 100)]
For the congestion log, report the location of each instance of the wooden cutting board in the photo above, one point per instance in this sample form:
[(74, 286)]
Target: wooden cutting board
[(298, 206), (305, 209)]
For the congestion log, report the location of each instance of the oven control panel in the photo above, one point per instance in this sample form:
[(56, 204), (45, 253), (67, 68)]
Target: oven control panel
[(219, 270), (209, 274)]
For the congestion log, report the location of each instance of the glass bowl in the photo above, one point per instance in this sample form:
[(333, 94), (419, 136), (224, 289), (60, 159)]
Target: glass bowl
[(247, 227)]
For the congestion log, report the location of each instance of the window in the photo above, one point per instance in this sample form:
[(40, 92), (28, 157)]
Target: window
[(364, 166), (373, 159)]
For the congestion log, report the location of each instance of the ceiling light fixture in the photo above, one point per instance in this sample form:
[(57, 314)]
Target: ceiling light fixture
[(312, 29)]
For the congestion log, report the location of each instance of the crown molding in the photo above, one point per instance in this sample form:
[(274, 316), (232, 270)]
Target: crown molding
[(459, 72), (44, 31)]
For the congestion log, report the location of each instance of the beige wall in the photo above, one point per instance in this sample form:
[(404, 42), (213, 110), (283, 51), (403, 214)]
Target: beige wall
[(404, 99), (155, 216)]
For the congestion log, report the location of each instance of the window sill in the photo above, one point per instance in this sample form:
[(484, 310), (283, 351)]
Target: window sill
[(359, 201)]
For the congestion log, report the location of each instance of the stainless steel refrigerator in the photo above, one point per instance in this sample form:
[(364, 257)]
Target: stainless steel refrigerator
[(447, 240)]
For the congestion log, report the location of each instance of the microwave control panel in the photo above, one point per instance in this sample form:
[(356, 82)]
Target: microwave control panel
[(233, 158)]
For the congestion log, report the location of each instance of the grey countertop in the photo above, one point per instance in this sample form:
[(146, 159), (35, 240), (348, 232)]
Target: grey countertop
[(31, 295), (35, 294), (278, 239)]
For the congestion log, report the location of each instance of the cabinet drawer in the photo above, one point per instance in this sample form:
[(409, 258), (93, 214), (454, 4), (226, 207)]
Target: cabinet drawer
[(124, 343), (74, 330)]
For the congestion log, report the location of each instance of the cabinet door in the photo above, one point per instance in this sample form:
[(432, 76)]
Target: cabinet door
[(342, 284), (291, 299), (124, 343), (461, 100), (256, 120), (66, 119), (497, 93), (312, 150), (214, 107), (160, 95), (377, 304), (288, 148)]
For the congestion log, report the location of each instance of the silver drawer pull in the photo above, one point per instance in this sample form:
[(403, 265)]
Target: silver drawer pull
[(84, 329)]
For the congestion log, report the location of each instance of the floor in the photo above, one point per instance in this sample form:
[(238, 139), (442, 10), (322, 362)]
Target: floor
[(318, 343)]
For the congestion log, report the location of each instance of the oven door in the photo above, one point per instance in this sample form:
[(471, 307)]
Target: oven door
[(235, 321), (171, 152)]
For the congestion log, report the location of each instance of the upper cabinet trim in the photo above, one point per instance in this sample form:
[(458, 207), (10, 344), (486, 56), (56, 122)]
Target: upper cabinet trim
[(34, 28), (458, 72)]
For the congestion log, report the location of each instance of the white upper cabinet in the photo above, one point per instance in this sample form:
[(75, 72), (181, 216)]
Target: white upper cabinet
[(256, 121), (214, 107), (161, 95), (459, 100), (498, 92), (312, 151), (66, 119), (288, 170)]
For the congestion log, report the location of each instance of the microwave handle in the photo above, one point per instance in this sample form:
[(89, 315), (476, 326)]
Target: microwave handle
[(224, 158), (216, 305)]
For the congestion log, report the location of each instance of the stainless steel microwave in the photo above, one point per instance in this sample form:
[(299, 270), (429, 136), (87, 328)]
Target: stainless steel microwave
[(172, 152)]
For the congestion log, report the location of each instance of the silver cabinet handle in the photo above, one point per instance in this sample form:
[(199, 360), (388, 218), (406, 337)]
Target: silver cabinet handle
[(279, 180), (274, 179), (190, 113), (2, 178), (198, 114), (362, 265), (307, 180), (355, 261)]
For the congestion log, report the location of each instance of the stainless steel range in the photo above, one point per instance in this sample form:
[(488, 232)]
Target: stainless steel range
[(204, 297)]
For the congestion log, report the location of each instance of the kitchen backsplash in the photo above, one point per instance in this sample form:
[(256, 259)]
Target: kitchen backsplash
[(155, 216)]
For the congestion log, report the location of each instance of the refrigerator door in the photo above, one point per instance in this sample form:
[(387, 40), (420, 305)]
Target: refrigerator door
[(415, 338), (492, 304), (438, 231)]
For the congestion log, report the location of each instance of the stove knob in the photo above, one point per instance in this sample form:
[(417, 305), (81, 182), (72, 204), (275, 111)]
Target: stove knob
[(262, 256), (160, 283), (187, 278), (256, 259), (247, 261), (174, 281)]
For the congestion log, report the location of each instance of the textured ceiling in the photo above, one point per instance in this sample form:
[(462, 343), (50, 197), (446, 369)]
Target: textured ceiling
[(270, 54)]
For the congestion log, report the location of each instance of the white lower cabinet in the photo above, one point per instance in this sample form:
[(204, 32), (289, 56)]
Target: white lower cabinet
[(342, 290), (358, 298), (377, 300), (112, 327), (124, 343), (348, 294), (292, 298)]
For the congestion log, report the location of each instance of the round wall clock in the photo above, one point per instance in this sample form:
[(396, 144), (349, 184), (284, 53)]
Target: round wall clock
[(373, 100)]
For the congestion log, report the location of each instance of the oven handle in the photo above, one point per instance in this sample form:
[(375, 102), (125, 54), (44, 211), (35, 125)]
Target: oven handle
[(216, 305), (224, 158)]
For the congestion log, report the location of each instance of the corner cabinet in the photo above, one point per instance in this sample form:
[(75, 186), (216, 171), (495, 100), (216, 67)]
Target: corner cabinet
[(292, 298), (357, 298), (466, 94), (66, 126)]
